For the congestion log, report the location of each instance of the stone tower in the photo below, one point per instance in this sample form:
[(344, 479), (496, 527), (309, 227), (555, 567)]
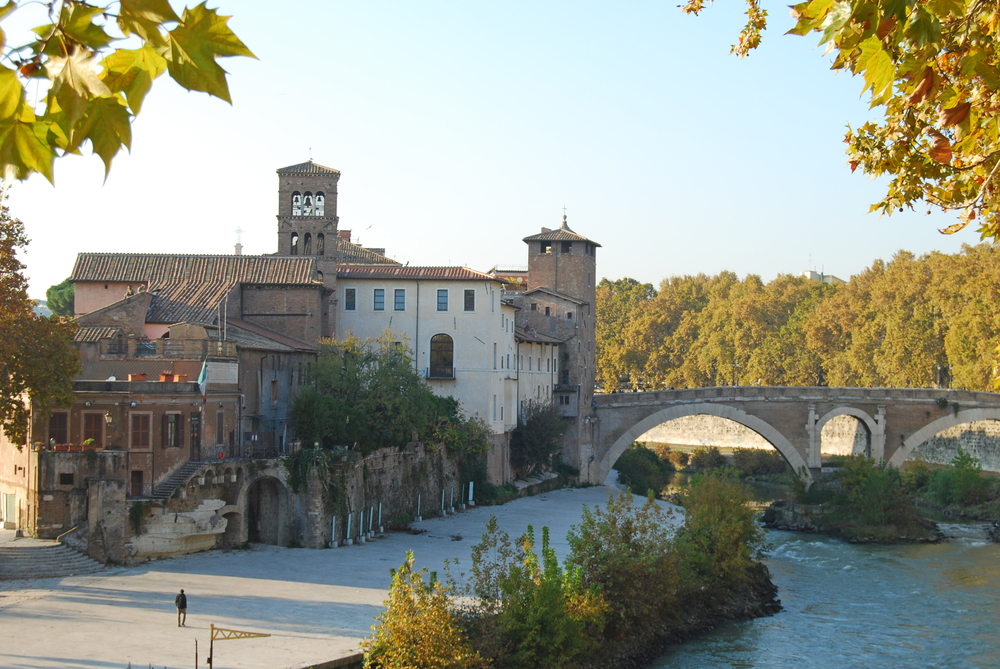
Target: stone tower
[(560, 301), (307, 216)]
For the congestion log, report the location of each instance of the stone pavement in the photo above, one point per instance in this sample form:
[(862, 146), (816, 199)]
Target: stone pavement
[(316, 604)]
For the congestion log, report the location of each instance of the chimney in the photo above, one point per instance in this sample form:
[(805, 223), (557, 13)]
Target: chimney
[(544, 229), (345, 235)]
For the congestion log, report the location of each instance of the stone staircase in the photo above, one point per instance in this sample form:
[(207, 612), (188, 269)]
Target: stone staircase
[(165, 489), (34, 558)]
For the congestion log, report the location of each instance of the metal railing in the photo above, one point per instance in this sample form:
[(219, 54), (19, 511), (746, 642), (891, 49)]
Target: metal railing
[(440, 372)]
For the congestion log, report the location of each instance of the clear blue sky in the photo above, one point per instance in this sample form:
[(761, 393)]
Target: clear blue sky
[(460, 128)]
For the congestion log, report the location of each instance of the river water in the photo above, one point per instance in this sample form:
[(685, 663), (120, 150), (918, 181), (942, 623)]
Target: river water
[(850, 605)]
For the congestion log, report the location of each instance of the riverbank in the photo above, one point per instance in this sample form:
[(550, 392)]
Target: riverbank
[(830, 520), (316, 604)]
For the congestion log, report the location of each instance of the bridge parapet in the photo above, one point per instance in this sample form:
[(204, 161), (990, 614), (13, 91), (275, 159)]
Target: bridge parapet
[(791, 418)]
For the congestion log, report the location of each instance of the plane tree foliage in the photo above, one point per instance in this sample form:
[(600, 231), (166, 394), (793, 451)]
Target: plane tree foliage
[(932, 68), (910, 322), (37, 358), (95, 63)]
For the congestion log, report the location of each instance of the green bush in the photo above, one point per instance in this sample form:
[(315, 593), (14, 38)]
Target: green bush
[(537, 438), (676, 458), (758, 461), (720, 538), (961, 483), (705, 458), (644, 470), (916, 475)]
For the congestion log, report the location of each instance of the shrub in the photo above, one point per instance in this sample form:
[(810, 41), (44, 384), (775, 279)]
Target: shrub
[(679, 458), (720, 538), (705, 458), (759, 461), (676, 458), (416, 630), (969, 487), (875, 491), (644, 469), (624, 549), (916, 475)]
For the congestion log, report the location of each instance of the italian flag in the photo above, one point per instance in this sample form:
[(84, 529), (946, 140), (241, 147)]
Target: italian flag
[(203, 382)]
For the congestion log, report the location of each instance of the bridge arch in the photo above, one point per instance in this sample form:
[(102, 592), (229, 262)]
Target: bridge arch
[(940, 425), (860, 414), (765, 430)]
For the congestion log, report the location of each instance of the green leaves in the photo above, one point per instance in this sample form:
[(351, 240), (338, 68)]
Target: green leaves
[(194, 45), (86, 102)]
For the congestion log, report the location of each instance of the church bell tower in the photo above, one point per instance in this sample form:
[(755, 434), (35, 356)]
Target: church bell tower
[(307, 216)]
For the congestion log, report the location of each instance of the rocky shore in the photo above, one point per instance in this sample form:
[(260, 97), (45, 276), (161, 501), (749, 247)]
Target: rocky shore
[(817, 518)]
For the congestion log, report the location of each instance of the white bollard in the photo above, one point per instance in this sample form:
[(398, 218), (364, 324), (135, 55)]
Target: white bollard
[(347, 537), (380, 531), (442, 502), (471, 503), (419, 517), (333, 533), (451, 501)]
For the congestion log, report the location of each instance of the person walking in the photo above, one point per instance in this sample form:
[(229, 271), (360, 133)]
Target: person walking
[(181, 601)]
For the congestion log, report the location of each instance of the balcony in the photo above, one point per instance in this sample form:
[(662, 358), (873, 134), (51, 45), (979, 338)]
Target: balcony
[(439, 372)]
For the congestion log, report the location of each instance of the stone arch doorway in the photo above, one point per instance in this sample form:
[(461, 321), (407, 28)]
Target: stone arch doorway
[(267, 506), (766, 431)]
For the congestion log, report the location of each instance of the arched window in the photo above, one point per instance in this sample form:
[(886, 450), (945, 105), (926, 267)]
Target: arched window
[(319, 204), (307, 204), (442, 357), (320, 243), (307, 245), (296, 204), (295, 243)]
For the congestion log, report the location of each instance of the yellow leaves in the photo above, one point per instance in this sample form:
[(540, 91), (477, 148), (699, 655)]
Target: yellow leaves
[(144, 18), (107, 126), (878, 68), (11, 92), (194, 45), (75, 82), (132, 71)]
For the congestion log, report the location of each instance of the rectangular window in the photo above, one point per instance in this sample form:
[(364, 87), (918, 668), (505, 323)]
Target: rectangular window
[(546, 311), (274, 392), (546, 247), (470, 300), (93, 428), (59, 428), (501, 412), (66, 479), (195, 430), (548, 364), (565, 377), (140, 430), (399, 299), (220, 428), (494, 355), (534, 306), (351, 299), (569, 315), (567, 246), (494, 407), (397, 351), (378, 303), (173, 430), (442, 300)]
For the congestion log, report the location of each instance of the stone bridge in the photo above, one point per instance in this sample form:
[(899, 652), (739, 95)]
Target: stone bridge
[(897, 420)]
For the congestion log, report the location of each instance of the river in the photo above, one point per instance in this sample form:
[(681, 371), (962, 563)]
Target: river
[(849, 605)]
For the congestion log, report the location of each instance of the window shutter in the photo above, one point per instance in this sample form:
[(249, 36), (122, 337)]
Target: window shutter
[(165, 431), (180, 430)]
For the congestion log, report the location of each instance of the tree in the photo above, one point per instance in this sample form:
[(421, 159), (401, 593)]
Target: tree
[(618, 303), (933, 69), (536, 438), (37, 358), (93, 90), (59, 298)]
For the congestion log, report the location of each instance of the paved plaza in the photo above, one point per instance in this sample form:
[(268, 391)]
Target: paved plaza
[(316, 604)]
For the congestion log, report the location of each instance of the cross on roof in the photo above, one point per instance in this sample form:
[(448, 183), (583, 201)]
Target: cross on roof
[(238, 231)]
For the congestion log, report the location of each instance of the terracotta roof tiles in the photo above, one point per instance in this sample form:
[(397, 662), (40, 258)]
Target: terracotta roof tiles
[(561, 234), (412, 273), (307, 168)]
